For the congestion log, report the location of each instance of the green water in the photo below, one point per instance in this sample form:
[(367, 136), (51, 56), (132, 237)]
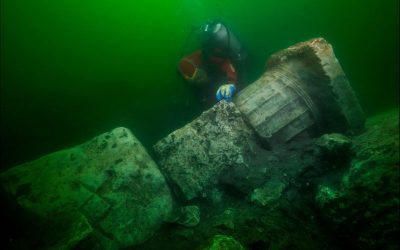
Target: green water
[(71, 70)]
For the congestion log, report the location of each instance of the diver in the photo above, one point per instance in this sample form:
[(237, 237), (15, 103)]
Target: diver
[(218, 66)]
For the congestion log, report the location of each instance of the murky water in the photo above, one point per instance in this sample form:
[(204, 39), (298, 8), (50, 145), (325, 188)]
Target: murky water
[(71, 70)]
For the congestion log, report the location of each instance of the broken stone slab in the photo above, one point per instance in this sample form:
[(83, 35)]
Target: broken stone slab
[(304, 90), (110, 180), (193, 157)]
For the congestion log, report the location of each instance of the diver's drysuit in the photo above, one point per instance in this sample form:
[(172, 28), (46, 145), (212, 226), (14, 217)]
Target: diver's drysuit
[(218, 41), (219, 62)]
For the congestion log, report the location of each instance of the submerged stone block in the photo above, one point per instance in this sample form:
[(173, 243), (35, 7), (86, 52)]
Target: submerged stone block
[(303, 90), (193, 157), (110, 180)]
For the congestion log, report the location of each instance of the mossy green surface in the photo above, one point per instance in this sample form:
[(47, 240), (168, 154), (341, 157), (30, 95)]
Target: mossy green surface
[(364, 207), (108, 189), (224, 242)]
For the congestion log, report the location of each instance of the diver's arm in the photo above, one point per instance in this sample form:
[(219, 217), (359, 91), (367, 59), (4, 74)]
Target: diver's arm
[(190, 67), (226, 91), (229, 70)]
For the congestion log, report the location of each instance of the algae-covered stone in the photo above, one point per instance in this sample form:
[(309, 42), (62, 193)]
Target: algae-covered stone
[(332, 143), (326, 194), (189, 216), (268, 193), (364, 207), (226, 219), (193, 157), (111, 181), (335, 149), (224, 242), (77, 229)]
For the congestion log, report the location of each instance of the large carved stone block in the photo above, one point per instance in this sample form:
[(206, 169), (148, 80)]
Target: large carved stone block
[(109, 181)]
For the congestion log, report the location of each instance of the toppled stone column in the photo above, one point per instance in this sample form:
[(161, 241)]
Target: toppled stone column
[(109, 184), (303, 90)]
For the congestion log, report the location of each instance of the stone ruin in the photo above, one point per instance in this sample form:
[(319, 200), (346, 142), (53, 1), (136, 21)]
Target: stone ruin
[(259, 152), (304, 92)]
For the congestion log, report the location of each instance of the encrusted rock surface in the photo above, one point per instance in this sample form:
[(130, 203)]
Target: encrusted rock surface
[(109, 191), (363, 207), (189, 216), (193, 157), (335, 149), (268, 193), (332, 192), (223, 242)]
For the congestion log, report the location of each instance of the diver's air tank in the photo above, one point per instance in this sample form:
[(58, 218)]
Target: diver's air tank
[(217, 35)]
